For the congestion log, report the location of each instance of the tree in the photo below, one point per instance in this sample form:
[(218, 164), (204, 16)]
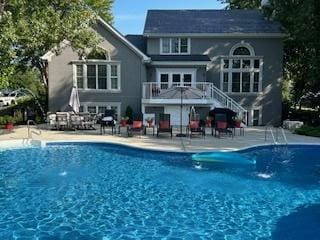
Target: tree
[(301, 24), (42, 25)]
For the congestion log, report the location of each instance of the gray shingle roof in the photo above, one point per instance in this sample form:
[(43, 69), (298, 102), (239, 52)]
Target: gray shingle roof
[(139, 41), (208, 22), (182, 58)]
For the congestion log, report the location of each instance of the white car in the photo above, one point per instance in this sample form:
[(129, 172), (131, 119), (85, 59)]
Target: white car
[(11, 98)]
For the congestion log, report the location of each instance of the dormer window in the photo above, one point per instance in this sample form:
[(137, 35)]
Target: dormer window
[(175, 46)]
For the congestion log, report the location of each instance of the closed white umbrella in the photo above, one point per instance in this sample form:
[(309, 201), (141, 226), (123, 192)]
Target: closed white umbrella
[(74, 101)]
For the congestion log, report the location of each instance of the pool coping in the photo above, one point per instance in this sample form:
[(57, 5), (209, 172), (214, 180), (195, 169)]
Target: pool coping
[(23, 143)]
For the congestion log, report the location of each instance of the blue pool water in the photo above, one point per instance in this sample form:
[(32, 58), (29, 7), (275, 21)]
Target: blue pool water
[(95, 191)]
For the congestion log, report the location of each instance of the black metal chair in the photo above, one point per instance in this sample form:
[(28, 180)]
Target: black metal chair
[(164, 124), (108, 120)]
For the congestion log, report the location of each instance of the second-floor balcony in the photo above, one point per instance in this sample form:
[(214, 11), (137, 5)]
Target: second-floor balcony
[(193, 93)]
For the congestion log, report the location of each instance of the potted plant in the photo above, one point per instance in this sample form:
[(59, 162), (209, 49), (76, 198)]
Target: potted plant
[(149, 120), (7, 121), (209, 121), (124, 121), (237, 122)]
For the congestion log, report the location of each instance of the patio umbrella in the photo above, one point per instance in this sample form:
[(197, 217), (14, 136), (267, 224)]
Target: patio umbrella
[(74, 101), (181, 92)]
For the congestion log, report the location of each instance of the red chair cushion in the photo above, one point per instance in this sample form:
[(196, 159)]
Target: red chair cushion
[(222, 125), (164, 124), (137, 124), (194, 124)]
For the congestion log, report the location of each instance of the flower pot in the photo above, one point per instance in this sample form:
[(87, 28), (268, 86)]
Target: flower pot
[(9, 126), (123, 123), (237, 124)]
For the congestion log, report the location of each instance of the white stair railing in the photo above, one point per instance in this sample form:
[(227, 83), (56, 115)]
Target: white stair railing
[(228, 102)]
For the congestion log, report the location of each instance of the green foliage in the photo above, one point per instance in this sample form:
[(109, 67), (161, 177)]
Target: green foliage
[(6, 119), (301, 23), (31, 28), (242, 4), (129, 112), (308, 131)]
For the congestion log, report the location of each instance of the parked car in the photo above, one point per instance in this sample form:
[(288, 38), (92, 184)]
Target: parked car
[(9, 98)]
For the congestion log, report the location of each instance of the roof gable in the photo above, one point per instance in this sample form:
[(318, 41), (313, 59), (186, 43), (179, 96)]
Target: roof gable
[(48, 56), (208, 22)]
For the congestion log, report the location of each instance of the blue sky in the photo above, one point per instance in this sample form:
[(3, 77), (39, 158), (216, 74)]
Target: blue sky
[(129, 15)]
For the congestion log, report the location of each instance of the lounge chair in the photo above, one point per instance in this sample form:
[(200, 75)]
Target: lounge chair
[(195, 127), (76, 122), (222, 127), (137, 126), (108, 120), (52, 121), (164, 124)]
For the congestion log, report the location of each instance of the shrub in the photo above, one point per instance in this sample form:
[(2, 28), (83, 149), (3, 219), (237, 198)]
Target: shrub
[(129, 112), (308, 131)]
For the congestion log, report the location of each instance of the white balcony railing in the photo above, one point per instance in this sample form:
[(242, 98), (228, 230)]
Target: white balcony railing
[(199, 90)]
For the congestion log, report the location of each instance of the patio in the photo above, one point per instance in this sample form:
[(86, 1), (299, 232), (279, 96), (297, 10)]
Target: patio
[(253, 136)]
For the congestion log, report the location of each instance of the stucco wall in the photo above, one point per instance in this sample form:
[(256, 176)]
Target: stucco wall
[(133, 73), (271, 49)]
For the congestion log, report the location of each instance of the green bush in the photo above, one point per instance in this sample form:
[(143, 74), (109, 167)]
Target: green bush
[(308, 131), (6, 119), (129, 112)]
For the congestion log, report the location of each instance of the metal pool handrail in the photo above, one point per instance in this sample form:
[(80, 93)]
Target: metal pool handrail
[(30, 132)]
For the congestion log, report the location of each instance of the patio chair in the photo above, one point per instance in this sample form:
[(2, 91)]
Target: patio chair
[(108, 120), (88, 121), (222, 127), (52, 121), (137, 125), (195, 126), (62, 120), (76, 122), (164, 124)]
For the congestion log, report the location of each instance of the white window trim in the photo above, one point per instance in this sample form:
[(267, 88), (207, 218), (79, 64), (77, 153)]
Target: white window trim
[(171, 71), (170, 46), (108, 105), (231, 70), (85, 77), (242, 44), (250, 112)]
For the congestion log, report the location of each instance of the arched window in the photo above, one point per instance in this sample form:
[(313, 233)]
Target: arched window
[(241, 71), (241, 51), (98, 53)]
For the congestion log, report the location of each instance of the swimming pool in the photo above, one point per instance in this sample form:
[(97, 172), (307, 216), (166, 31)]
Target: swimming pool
[(104, 191)]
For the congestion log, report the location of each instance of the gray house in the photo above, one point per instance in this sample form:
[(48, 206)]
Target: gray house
[(225, 58)]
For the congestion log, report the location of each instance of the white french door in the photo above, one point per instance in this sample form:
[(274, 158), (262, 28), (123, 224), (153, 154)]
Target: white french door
[(175, 77)]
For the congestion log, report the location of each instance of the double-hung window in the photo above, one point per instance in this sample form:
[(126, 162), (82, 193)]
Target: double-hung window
[(241, 71), (175, 46), (97, 76)]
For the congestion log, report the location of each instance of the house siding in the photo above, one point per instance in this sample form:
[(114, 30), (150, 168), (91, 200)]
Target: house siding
[(133, 73), (271, 49)]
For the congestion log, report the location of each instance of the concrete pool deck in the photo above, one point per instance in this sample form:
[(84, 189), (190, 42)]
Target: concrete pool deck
[(253, 136)]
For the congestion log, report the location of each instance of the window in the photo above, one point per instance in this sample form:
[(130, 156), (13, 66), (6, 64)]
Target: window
[(241, 51), (102, 76), (166, 45), (79, 76), (91, 76), (255, 117), (114, 77), (97, 107), (175, 77), (174, 45), (164, 81), (241, 71)]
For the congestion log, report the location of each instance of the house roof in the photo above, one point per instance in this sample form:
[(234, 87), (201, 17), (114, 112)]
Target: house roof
[(208, 22), (180, 58), (48, 56), (139, 41)]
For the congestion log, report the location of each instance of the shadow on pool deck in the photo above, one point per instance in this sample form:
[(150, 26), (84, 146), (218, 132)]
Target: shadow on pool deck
[(304, 223)]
